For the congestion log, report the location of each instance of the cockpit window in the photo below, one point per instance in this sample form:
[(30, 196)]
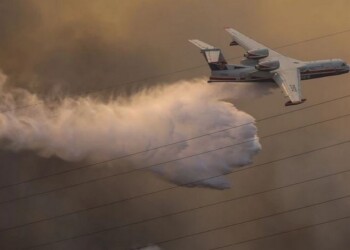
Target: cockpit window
[(343, 64)]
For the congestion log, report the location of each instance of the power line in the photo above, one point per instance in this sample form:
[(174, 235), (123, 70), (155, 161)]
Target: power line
[(173, 143), (284, 232), (166, 74), (255, 219), (173, 160), (175, 187), (313, 39), (239, 125), (231, 58), (183, 70), (200, 207), (170, 144)]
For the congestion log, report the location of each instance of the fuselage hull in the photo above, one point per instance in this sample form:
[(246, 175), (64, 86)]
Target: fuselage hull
[(309, 70)]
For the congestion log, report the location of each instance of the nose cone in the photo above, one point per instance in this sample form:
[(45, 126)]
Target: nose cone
[(347, 67)]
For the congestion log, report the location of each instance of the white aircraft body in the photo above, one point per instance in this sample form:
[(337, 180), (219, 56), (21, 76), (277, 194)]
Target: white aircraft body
[(264, 64)]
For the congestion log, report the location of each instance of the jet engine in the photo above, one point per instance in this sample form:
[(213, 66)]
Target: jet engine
[(257, 54), (268, 65)]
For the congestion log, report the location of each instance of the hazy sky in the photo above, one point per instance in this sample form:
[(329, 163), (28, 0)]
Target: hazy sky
[(70, 47)]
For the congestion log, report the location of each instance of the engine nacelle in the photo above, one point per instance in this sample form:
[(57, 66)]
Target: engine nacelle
[(257, 54), (268, 65)]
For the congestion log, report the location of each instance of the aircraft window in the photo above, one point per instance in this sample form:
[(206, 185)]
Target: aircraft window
[(343, 64)]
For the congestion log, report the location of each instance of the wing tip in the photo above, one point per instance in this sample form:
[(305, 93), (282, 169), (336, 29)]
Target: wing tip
[(231, 31), (193, 41)]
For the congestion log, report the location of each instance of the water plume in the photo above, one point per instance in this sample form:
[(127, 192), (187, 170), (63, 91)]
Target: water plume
[(91, 130)]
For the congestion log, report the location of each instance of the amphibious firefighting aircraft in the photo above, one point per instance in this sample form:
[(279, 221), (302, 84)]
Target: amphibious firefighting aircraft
[(264, 64)]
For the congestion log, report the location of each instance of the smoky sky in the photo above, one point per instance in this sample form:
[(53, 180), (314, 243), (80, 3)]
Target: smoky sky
[(45, 52), (57, 48), (71, 47)]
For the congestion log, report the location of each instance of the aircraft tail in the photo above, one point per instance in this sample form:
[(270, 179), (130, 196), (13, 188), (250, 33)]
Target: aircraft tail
[(212, 55)]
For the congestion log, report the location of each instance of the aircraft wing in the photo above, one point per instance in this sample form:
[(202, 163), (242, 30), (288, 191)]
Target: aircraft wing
[(289, 82), (248, 43), (287, 76)]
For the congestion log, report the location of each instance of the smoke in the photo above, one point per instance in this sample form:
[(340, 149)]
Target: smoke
[(87, 129)]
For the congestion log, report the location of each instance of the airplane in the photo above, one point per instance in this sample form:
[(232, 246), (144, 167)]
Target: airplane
[(264, 64)]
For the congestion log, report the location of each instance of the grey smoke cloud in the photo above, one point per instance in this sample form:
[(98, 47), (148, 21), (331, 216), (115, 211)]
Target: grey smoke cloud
[(87, 129)]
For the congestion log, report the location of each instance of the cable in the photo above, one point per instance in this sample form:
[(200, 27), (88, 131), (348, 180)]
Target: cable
[(284, 232), (293, 111), (175, 187), (157, 76), (185, 69), (170, 144), (256, 219), (200, 207), (173, 160)]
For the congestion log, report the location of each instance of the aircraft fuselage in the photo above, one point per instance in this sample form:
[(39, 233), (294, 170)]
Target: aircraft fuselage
[(308, 70)]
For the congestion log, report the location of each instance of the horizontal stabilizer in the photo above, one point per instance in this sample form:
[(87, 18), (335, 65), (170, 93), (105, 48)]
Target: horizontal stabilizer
[(201, 45)]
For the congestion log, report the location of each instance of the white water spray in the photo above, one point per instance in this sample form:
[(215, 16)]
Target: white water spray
[(85, 129)]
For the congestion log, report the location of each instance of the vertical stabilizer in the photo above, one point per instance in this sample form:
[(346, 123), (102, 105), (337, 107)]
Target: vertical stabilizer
[(212, 55)]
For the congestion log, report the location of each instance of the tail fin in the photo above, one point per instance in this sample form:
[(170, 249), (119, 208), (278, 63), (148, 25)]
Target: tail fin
[(212, 55)]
